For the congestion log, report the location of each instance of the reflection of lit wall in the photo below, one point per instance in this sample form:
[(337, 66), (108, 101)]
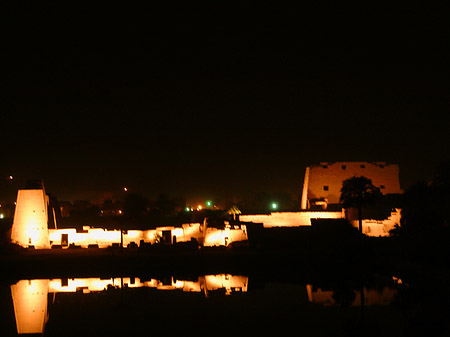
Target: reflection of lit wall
[(372, 297), (323, 297), (30, 296), (30, 305), (30, 226), (226, 281), (373, 227), (208, 282), (290, 219)]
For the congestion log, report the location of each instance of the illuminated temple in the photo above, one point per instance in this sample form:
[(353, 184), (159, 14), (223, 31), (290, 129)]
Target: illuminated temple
[(321, 192), (320, 200), (30, 229)]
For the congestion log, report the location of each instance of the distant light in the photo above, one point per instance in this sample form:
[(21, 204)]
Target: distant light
[(209, 203), (199, 207), (274, 205), (10, 178), (120, 211), (1, 216), (125, 189), (188, 209)]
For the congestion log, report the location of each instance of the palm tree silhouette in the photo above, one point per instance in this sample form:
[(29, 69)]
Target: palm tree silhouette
[(357, 192)]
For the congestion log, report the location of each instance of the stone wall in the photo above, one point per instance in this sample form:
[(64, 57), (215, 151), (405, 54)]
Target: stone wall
[(324, 181)]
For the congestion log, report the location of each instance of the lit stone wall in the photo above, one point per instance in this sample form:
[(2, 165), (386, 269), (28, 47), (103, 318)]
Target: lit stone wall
[(96, 236), (325, 180), (218, 237), (373, 227), (30, 225), (290, 219), (105, 238), (295, 219), (30, 228)]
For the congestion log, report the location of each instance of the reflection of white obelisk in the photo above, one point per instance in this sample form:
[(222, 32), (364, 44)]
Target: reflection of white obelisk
[(30, 305), (30, 226)]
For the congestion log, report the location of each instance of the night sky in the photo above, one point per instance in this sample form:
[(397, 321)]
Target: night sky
[(219, 103)]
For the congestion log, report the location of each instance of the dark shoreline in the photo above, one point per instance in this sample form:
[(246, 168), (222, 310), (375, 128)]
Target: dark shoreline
[(293, 259), (296, 264)]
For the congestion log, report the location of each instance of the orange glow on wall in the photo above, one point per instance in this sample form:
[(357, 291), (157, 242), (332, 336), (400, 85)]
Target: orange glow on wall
[(290, 219), (218, 237), (324, 181), (105, 238), (303, 218), (30, 225), (30, 228), (371, 227)]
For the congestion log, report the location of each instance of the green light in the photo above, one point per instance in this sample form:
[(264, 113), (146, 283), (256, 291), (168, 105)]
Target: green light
[(274, 205), (209, 203), (188, 209)]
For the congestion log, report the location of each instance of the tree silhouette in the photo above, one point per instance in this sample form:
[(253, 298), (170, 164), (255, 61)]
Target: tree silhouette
[(357, 192), (134, 211), (426, 208), (135, 206), (166, 206), (440, 190)]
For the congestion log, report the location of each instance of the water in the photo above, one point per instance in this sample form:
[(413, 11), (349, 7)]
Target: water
[(220, 304)]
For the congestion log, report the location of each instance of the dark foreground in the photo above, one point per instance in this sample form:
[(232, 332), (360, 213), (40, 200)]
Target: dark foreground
[(276, 301), (297, 260), (287, 257)]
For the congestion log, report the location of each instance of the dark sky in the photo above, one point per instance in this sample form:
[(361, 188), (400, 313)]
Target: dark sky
[(219, 102)]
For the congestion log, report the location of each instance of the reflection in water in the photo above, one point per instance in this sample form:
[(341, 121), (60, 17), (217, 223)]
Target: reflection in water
[(372, 297), (204, 283), (30, 297), (283, 301), (30, 305)]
